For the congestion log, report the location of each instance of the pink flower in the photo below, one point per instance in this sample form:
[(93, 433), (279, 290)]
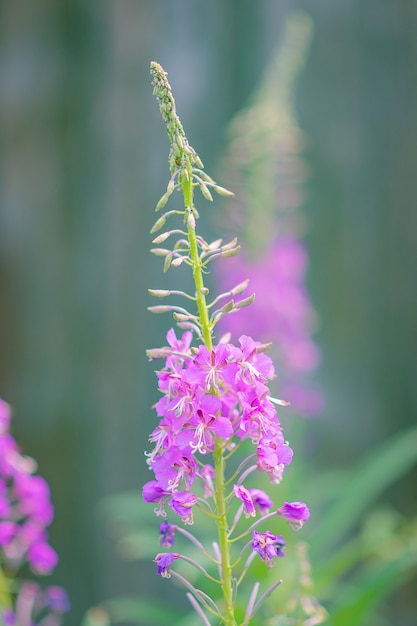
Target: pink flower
[(182, 504), (261, 500), (295, 512), (42, 558), (243, 494)]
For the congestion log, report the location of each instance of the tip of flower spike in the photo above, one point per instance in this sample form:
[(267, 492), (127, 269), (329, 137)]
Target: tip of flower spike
[(180, 148)]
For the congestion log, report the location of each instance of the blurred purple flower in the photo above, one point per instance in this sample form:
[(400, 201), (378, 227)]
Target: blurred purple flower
[(281, 313), (267, 545), (167, 534), (25, 512), (25, 506), (57, 599), (164, 562)]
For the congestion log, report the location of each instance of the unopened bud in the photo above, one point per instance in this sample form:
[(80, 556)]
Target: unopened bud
[(167, 262), (205, 191), (159, 293), (158, 224), (204, 291), (158, 353), (160, 308), (180, 317), (230, 245), (198, 161), (214, 245), (191, 220), (245, 302), (161, 238), (223, 192), (170, 186), (162, 202), (263, 347), (160, 251), (232, 252), (226, 308), (240, 288)]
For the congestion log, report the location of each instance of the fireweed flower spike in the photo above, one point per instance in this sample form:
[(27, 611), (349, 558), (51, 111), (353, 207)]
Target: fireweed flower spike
[(214, 397)]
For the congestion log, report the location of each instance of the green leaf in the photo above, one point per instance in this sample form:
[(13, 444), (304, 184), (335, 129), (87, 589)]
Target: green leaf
[(140, 611), (365, 483), (370, 590)]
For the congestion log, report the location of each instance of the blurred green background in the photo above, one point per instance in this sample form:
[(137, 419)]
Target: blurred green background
[(83, 162)]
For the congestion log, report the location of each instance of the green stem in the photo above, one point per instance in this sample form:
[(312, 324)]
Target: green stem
[(218, 457), (5, 592), (223, 530), (187, 187)]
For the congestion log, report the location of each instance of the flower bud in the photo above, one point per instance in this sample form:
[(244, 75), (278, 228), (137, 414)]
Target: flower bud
[(205, 191), (162, 201), (223, 192), (161, 238), (159, 293)]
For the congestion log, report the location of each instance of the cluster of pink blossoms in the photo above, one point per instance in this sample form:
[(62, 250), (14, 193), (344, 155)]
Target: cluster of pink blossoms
[(221, 393), (25, 513)]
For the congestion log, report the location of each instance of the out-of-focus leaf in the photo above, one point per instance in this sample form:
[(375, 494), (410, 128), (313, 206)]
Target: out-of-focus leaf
[(371, 589), (127, 507), (380, 469), (140, 611), (96, 616)]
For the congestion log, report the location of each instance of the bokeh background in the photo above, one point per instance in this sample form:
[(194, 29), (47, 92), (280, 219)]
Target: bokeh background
[(83, 162)]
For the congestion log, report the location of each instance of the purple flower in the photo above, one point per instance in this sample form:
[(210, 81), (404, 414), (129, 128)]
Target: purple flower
[(42, 558), (182, 504), (34, 494), (57, 599), (25, 506), (153, 492), (211, 368), (261, 500), (273, 455), (164, 562), (243, 494), (206, 424), (267, 545), (7, 531), (295, 512), (167, 534), (8, 617), (174, 469)]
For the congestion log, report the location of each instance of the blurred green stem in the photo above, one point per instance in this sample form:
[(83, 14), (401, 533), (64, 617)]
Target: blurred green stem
[(5, 592)]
